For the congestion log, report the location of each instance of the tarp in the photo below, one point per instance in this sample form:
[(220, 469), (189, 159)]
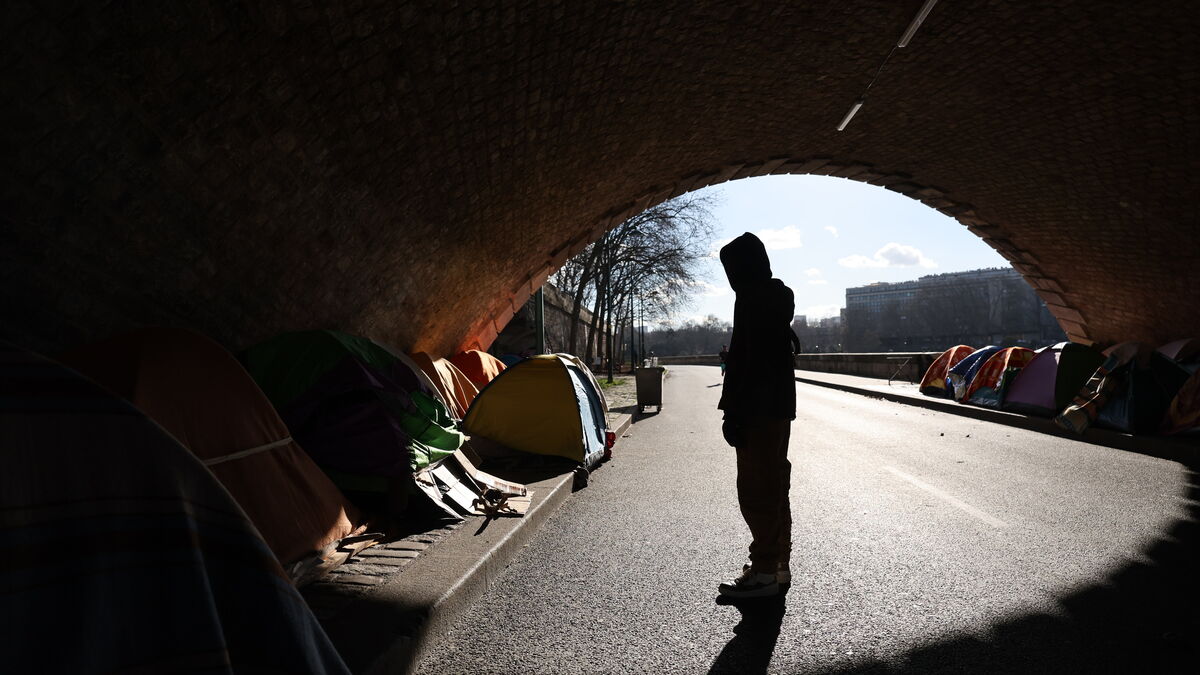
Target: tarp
[(479, 367), (203, 397), (355, 407), (1049, 382), (456, 389), (544, 405), (960, 375), (123, 553), (934, 381), (990, 385)]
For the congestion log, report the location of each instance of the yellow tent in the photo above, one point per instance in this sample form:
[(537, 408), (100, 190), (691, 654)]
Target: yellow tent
[(546, 405)]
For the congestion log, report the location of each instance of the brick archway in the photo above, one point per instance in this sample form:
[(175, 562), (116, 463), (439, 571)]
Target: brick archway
[(484, 331), (410, 171)]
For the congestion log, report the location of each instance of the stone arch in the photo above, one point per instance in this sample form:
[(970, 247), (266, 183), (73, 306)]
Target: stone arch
[(411, 170), (484, 331)]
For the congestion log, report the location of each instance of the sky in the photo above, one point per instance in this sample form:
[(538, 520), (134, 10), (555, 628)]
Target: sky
[(825, 234)]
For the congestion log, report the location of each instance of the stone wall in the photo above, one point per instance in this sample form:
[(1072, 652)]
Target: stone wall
[(412, 171)]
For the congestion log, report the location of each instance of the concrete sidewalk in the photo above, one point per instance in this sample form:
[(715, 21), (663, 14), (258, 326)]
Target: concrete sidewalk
[(1177, 449), (382, 607)]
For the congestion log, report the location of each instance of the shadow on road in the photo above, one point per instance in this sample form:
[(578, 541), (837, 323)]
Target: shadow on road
[(1144, 619), (754, 637)]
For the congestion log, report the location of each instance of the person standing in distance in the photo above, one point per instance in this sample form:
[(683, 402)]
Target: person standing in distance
[(758, 397)]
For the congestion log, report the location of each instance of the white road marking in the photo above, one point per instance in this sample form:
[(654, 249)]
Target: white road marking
[(949, 499)]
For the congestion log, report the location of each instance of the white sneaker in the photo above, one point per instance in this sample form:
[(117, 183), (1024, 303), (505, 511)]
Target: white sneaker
[(750, 585), (783, 573)]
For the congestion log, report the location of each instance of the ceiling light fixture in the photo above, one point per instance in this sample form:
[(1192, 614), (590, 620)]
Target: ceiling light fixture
[(916, 23), (902, 42), (850, 115)]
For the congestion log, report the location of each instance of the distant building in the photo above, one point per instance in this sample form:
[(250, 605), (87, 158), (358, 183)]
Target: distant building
[(820, 335), (977, 308)]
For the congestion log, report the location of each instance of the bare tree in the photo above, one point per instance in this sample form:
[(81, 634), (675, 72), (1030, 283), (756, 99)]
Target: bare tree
[(654, 256)]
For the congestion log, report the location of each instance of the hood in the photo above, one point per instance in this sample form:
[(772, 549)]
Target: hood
[(745, 260)]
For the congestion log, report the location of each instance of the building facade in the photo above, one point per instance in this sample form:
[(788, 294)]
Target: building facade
[(935, 312)]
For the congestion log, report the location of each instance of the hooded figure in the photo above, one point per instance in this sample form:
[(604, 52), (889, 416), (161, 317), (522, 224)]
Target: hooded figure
[(760, 378), (759, 400)]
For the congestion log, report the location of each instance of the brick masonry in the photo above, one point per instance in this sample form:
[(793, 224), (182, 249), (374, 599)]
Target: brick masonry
[(409, 171)]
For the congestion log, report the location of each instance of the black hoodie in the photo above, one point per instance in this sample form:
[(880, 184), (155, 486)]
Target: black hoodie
[(760, 377)]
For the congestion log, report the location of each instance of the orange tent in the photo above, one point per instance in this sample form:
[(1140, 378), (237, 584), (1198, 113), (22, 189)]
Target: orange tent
[(203, 397), (989, 385), (934, 382), (455, 388), (479, 367)]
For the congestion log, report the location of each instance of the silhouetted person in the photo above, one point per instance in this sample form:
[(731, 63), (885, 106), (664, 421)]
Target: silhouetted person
[(724, 355), (759, 400)]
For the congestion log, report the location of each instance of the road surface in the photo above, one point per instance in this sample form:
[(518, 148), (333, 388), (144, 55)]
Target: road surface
[(924, 542)]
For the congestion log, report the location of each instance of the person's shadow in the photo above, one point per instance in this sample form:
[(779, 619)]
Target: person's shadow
[(754, 637)]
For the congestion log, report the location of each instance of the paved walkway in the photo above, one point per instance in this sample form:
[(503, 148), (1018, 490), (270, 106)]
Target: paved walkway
[(925, 543)]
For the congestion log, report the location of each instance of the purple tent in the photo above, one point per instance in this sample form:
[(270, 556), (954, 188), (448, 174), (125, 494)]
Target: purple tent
[(1052, 379)]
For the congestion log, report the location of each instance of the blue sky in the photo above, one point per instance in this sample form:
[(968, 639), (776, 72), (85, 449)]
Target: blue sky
[(826, 234)]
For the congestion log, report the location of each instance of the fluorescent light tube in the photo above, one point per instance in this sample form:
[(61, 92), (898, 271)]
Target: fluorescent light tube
[(850, 115), (916, 23)]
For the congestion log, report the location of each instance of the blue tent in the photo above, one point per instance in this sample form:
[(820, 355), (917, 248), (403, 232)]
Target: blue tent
[(964, 372)]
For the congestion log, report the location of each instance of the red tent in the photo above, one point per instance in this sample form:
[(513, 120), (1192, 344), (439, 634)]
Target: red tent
[(479, 367)]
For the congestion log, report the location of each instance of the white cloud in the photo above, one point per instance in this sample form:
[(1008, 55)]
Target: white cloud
[(822, 311), (891, 255), (818, 282), (832, 230), (776, 240), (813, 272), (708, 290)]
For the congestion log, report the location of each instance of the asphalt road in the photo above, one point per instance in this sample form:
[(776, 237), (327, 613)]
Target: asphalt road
[(925, 542)]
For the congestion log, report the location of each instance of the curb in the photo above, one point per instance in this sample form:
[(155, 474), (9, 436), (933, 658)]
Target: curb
[(391, 629), (1164, 448)]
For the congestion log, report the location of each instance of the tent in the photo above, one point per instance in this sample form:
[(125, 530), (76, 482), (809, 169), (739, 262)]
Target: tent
[(203, 397), (545, 405), (990, 385), (1048, 383), (960, 375), (1145, 382), (934, 382), (123, 553), (357, 408), (1182, 351), (456, 389), (479, 367), (590, 376), (1183, 415)]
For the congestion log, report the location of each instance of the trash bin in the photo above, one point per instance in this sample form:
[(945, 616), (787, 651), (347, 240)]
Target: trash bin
[(649, 388)]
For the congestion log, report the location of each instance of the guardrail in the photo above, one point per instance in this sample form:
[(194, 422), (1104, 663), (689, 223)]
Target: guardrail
[(907, 366)]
